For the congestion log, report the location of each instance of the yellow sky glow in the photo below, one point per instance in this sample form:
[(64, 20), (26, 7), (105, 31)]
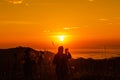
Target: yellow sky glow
[(35, 22)]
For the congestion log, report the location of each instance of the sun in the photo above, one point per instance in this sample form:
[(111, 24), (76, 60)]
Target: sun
[(61, 38)]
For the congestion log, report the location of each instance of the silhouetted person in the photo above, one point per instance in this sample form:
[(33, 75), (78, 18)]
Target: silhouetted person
[(68, 53), (27, 65), (60, 60)]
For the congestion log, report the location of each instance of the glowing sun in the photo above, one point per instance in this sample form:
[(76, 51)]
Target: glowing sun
[(61, 38)]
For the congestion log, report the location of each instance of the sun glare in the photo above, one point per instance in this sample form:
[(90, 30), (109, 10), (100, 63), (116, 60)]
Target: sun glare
[(61, 38)]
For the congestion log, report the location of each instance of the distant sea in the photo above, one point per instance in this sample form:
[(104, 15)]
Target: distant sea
[(92, 53)]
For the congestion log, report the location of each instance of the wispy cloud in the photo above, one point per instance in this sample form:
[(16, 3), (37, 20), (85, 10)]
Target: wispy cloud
[(91, 0), (103, 19), (15, 1), (68, 28)]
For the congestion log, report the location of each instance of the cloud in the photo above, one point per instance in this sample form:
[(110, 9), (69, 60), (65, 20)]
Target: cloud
[(66, 28), (91, 0), (103, 19), (16, 1)]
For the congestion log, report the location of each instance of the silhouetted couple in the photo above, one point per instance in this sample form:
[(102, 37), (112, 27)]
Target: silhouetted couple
[(61, 62)]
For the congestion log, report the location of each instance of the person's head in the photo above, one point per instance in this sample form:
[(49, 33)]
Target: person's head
[(60, 49), (66, 50)]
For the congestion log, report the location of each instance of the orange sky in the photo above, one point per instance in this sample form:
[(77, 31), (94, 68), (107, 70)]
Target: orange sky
[(35, 23)]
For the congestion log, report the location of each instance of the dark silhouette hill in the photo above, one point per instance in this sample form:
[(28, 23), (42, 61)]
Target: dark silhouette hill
[(99, 69), (11, 66), (12, 58)]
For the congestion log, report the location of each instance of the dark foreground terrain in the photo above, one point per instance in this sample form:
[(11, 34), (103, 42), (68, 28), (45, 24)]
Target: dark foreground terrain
[(11, 66)]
